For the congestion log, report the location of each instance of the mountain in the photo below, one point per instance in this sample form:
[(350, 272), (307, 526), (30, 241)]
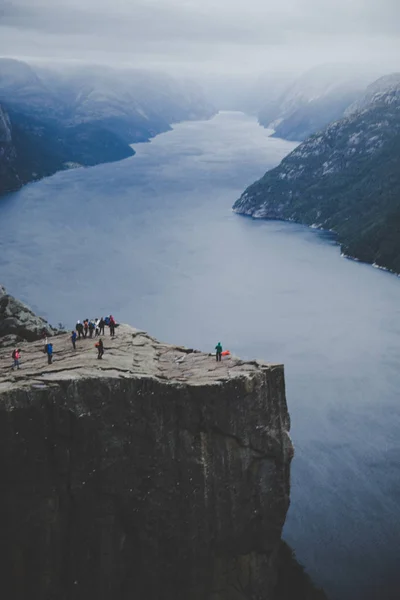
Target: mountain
[(315, 99), (9, 178), (84, 116), (345, 178)]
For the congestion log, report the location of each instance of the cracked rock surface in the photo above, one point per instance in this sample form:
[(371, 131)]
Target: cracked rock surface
[(154, 473)]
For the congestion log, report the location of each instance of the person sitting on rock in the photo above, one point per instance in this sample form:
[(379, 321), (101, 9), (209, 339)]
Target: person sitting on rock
[(100, 348), (218, 351), (49, 352), (73, 339)]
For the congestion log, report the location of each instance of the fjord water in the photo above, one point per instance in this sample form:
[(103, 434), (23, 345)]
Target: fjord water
[(153, 240)]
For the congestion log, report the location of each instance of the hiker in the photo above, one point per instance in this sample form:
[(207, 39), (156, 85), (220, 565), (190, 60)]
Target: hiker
[(91, 328), (79, 328), (112, 326), (49, 352), (100, 348), (73, 339), (86, 326), (97, 327), (218, 352), (102, 324), (16, 355)]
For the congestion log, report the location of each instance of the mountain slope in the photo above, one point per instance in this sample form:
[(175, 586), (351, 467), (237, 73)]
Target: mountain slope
[(315, 99), (86, 116), (9, 178), (345, 178)]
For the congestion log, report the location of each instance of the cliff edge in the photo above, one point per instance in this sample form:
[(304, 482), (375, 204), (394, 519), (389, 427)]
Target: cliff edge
[(154, 473)]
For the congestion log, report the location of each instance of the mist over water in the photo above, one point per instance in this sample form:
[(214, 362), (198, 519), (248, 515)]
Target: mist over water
[(153, 240)]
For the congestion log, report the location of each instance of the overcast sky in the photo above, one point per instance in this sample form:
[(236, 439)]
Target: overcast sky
[(217, 36)]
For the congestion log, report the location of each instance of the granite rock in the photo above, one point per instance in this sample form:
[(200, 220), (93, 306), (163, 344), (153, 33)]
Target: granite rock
[(155, 473)]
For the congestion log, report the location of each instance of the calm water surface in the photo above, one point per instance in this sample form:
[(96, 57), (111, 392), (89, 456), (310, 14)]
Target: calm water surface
[(153, 240)]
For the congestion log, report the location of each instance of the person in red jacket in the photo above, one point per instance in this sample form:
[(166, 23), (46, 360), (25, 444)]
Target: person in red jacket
[(112, 326), (16, 355)]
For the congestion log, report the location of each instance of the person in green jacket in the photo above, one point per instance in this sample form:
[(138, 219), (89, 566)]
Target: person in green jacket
[(218, 349)]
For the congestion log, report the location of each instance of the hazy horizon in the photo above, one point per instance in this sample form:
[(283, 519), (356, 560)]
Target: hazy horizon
[(202, 39)]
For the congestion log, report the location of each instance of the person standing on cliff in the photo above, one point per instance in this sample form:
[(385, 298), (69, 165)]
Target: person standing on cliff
[(16, 356), (92, 327), (100, 348), (73, 339), (112, 326), (79, 329), (102, 324), (49, 352), (86, 327), (218, 352)]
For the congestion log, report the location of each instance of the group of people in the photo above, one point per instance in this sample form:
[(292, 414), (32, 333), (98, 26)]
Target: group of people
[(94, 327), (88, 328)]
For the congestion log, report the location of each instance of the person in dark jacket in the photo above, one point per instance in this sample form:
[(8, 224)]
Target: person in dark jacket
[(92, 327), (100, 348), (102, 324), (218, 351), (49, 352), (86, 326), (73, 339), (79, 329)]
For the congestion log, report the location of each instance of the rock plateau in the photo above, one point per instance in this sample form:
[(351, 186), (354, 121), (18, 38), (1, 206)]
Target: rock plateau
[(155, 473)]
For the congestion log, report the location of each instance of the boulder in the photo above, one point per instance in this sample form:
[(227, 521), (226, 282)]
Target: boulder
[(19, 323)]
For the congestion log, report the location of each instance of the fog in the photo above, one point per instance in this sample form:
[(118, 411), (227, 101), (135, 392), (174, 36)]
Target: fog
[(226, 38)]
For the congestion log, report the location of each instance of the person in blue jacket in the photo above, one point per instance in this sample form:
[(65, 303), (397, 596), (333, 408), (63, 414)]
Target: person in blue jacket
[(73, 339), (49, 352)]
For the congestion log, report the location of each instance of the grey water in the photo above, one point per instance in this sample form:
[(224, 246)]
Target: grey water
[(153, 240)]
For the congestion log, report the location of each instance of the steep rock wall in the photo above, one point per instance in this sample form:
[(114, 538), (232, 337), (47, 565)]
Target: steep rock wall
[(147, 478), (9, 179)]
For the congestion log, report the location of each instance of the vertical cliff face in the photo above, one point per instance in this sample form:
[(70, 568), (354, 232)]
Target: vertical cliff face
[(155, 473), (9, 179)]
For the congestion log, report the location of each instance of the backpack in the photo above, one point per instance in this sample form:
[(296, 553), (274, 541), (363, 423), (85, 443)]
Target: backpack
[(14, 354)]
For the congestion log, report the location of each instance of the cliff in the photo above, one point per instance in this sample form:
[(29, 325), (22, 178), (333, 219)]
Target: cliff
[(9, 179), (155, 473)]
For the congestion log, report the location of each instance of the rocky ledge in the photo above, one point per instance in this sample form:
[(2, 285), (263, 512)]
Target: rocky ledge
[(153, 473), (19, 323)]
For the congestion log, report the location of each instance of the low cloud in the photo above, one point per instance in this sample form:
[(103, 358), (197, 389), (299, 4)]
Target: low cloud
[(223, 36)]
